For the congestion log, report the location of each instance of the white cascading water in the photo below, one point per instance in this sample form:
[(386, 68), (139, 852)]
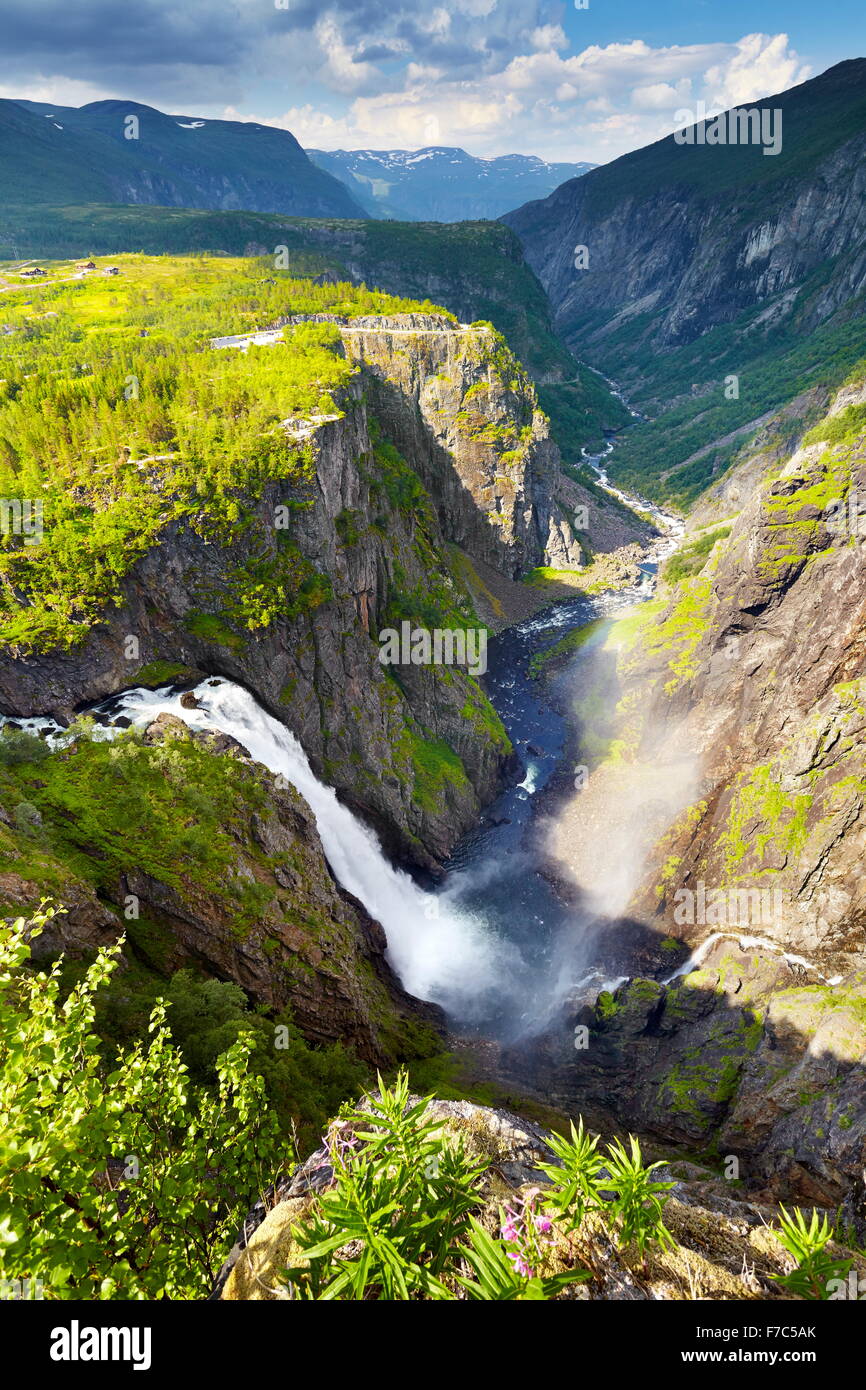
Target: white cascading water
[(439, 952)]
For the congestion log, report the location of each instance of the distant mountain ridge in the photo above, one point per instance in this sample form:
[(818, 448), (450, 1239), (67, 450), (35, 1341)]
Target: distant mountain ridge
[(684, 237), (717, 284), (442, 183), (123, 152)]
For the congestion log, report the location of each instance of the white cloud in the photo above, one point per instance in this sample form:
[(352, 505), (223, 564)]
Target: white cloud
[(613, 99), (548, 37), (340, 71), (64, 91), (439, 23), (661, 96), (759, 66)]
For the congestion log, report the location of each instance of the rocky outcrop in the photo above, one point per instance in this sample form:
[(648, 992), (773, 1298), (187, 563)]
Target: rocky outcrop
[(476, 436), (722, 1245), (749, 1057), (275, 921), (417, 749)]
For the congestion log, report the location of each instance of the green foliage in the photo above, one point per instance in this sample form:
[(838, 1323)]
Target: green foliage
[(690, 559), (401, 1219), (128, 1183), (433, 766), (575, 1175), (281, 584), (638, 1204), (18, 746), (816, 1266), (762, 812), (498, 1279), (696, 439), (567, 646), (676, 631), (118, 435), (304, 1085), (616, 1184), (580, 412), (157, 673), (348, 525), (401, 1198), (166, 809), (843, 428), (478, 267), (396, 479)]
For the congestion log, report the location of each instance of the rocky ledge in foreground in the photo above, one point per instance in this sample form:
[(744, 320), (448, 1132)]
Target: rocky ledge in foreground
[(723, 1248)]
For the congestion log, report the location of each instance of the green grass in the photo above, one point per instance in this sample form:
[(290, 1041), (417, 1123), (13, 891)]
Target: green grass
[(117, 415), (477, 268), (434, 767), (690, 559), (166, 810)]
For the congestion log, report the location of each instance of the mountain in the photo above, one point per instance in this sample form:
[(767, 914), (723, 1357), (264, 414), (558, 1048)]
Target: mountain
[(442, 183), (738, 693), (122, 152), (720, 279)]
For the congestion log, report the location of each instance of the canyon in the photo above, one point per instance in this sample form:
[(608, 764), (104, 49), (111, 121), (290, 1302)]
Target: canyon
[(615, 874)]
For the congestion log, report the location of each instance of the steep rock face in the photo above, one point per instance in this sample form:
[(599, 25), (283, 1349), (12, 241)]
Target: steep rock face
[(417, 749), (474, 407), (774, 704), (274, 921), (732, 802), (746, 1057), (685, 237), (735, 702)]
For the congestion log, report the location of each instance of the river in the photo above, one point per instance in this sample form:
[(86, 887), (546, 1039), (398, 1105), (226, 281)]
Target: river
[(493, 943)]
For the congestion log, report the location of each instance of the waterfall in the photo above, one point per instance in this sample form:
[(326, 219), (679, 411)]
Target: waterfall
[(439, 952)]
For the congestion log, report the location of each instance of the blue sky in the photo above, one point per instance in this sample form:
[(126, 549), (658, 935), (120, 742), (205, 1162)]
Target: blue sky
[(495, 76)]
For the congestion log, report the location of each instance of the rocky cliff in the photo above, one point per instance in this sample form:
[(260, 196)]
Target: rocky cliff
[(417, 749), (203, 859), (473, 404), (714, 281), (727, 801), (685, 237)]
